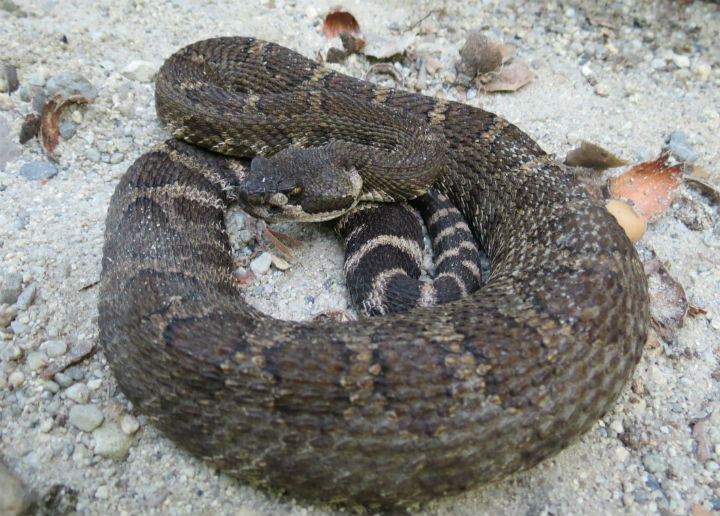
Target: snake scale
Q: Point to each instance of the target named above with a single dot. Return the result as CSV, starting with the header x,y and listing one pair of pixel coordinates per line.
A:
x,y
385,412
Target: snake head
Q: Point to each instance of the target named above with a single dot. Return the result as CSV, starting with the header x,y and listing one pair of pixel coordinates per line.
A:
x,y
299,185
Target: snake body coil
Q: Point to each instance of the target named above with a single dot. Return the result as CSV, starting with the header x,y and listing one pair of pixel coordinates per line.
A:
x,y
388,411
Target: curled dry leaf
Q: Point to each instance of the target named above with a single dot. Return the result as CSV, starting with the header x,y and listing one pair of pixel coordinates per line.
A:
x,y
479,55
511,78
49,117
337,22
649,186
705,186
668,302
340,316
593,156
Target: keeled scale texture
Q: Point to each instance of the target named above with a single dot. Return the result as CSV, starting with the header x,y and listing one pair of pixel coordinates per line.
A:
x,y
393,410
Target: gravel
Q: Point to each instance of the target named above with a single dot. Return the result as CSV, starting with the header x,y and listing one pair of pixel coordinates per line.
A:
x,y
623,74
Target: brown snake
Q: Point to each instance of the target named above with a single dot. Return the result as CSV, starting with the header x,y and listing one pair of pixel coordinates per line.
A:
x,y
388,411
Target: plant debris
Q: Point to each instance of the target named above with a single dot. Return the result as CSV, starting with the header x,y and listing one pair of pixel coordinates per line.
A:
x,y
49,117
668,301
650,186
484,63
593,156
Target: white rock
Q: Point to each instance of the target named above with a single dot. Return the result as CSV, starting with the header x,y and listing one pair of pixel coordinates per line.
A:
x,y
111,442
78,392
129,425
55,348
85,417
681,61
143,71
261,264
36,360
16,379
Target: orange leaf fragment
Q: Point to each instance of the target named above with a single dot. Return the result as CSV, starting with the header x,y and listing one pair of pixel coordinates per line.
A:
x,y
649,186
337,21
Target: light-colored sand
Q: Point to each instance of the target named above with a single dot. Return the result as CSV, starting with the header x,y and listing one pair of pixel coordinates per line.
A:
x,y
642,458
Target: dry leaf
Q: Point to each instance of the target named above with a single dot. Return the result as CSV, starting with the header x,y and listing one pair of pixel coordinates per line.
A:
x,y
668,302
337,21
649,186
49,117
593,156
479,55
705,187
511,78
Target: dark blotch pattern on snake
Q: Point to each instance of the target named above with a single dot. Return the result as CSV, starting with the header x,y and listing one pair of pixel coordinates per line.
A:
x,y
388,411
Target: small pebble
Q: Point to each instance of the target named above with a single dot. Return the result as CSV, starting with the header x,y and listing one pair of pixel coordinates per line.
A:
x,y
261,264
602,89
129,424
142,71
51,386
38,170
111,442
7,314
655,463
37,78
680,146
92,154
69,84
63,380
54,348
13,497
16,379
85,417
36,360
47,425
26,297
702,70
78,392
10,353
95,384
102,493
681,61
11,288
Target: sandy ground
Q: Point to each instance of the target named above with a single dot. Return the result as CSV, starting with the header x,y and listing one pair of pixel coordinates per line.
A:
x,y
620,74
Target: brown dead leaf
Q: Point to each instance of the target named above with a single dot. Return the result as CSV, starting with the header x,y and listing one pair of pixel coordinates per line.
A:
x,y
338,21
511,78
694,311
668,302
649,186
49,117
593,156
479,55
